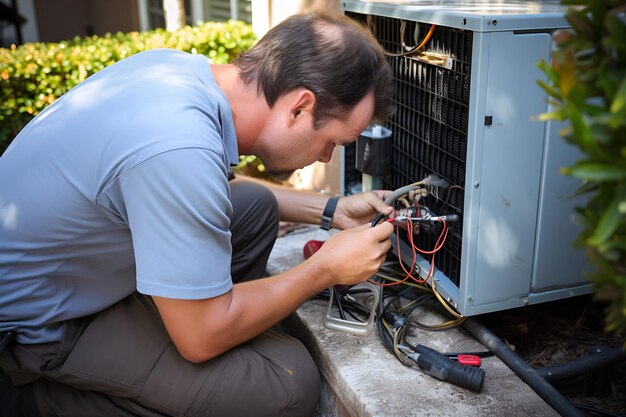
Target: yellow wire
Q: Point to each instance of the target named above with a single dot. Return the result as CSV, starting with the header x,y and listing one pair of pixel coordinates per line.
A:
x,y
410,284
399,354
443,302
441,326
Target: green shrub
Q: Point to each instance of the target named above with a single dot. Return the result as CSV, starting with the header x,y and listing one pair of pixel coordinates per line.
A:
x,y
588,90
34,75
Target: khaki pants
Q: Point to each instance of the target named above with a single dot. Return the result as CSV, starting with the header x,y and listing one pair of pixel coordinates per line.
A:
x,y
121,361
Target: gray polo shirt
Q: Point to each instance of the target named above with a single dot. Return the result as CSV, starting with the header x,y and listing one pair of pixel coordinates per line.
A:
x,y
120,185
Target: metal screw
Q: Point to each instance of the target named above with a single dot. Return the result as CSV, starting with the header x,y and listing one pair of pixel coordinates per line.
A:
x,y
476,184
470,298
571,293
526,302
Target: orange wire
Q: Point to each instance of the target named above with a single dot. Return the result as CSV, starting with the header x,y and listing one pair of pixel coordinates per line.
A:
x,y
427,37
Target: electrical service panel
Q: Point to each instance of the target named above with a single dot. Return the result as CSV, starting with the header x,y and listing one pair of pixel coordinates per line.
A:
x,y
466,107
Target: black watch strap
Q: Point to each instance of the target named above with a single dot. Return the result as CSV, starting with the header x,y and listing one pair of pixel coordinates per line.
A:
x,y
329,212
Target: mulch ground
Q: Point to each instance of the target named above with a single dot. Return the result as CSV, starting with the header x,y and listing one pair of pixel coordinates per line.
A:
x,y
557,332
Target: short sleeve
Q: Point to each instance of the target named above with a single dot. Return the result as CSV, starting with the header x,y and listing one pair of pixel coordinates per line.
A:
x,y
178,210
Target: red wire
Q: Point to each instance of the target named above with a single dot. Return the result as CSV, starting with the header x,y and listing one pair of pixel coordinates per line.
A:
x,y
438,245
408,274
413,247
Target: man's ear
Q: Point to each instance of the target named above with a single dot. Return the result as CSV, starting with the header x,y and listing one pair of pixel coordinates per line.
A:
x,y
302,105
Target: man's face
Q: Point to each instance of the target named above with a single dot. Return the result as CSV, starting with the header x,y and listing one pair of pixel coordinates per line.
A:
x,y
289,141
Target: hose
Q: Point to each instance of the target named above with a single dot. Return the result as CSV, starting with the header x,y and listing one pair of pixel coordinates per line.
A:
x,y
391,199
602,357
526,373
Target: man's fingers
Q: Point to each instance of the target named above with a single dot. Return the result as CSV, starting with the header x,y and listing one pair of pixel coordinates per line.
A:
x,y
386,245
382,260
376,200
382,194
383,230
362,227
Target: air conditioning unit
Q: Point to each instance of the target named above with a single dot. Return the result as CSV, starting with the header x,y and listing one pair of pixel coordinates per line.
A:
x,y
466,107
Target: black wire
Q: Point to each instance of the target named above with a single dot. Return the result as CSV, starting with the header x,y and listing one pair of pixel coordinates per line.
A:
x,y
483,354
377,219
354,316
352,307
394,298
342,315
382,331
384,335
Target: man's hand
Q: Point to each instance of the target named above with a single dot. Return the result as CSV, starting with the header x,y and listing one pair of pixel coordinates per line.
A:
x,y
358,209
353,255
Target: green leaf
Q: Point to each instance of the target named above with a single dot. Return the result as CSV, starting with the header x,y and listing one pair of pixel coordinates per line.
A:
x,y
554,115
619,102
581,130
610,219
553,92
596,171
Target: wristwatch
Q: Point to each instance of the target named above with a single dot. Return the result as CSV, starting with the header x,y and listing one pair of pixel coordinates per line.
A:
x,y
329,212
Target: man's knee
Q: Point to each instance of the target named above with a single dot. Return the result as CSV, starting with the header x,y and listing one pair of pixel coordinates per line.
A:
x,y
307,385
303,373
271,375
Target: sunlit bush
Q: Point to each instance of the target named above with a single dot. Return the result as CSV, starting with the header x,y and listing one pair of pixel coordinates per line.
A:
x,y
34,75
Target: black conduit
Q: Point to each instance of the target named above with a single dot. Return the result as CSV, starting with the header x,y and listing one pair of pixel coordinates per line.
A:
x,y
526,373
602,357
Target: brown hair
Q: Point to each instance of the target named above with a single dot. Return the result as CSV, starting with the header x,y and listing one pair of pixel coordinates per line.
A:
x,y
330,55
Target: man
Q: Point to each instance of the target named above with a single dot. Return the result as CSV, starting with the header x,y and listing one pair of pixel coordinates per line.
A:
x,y
121,236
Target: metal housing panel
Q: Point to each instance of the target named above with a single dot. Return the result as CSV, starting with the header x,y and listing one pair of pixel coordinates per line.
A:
x,y
476,15
512,247
511,172
557,226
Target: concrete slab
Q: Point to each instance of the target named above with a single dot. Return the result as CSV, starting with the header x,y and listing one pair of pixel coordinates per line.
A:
x,y
361,378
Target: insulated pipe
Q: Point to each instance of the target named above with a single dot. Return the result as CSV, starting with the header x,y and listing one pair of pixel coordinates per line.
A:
x,y
601,357
527,374
391,198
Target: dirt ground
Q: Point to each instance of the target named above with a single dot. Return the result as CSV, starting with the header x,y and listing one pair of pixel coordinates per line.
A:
x,y
556,332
